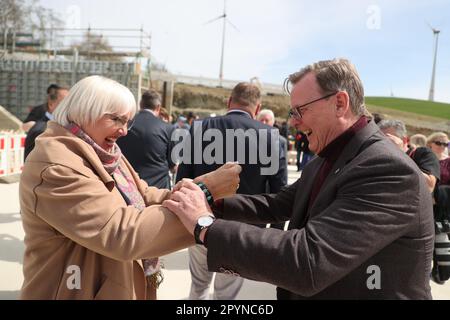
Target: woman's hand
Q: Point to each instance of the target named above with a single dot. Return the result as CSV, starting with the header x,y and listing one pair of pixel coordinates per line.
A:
x,y
222,182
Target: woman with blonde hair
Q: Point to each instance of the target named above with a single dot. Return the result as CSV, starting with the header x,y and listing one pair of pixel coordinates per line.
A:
x,y
93,229
438,142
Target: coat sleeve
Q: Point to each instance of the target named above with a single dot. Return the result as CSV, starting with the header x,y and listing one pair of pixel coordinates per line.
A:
x,y
369,212
265,208
83,209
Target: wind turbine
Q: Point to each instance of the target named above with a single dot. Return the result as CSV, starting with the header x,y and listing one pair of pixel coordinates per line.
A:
x,y
225,20
433,74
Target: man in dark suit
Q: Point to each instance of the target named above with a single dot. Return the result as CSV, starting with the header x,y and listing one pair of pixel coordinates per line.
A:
x,y
148,146
267,116
361,219
37,113
243,139
56,95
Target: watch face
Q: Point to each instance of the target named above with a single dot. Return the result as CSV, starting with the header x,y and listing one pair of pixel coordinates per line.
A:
x,y
205,221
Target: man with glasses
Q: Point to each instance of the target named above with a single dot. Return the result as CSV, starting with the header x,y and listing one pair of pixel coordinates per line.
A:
x,y
361,219
427,162
148,143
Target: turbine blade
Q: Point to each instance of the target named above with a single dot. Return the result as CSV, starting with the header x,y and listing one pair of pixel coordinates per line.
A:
x,y
432,29
228,20
215,19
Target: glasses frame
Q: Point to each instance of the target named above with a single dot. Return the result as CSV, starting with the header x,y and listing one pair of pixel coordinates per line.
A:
x,y
441,144
296,112
120,121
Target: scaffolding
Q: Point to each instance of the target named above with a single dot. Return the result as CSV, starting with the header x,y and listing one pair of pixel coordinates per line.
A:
x,y
55,41
28,65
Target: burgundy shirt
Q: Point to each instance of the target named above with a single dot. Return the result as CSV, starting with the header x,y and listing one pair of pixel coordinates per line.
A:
x,y
331,153
445,171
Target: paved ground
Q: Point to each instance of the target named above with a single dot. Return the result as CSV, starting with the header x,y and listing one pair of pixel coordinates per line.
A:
x,y
177,279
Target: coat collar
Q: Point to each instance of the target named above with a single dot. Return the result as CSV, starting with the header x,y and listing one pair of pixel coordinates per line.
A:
x,y
50,148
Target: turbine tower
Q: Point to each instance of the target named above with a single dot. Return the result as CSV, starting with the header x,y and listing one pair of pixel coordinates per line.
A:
x,y
225,21
433,74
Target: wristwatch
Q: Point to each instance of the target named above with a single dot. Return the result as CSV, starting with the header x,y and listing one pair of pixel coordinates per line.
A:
x,y
202,223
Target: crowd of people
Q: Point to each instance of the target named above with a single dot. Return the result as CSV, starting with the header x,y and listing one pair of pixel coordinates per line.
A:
x,y
368,218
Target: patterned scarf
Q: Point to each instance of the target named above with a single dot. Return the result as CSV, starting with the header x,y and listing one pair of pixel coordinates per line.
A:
x,y
127,188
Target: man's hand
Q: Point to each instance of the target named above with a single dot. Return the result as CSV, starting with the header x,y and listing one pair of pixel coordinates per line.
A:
x,y
188,203
222,182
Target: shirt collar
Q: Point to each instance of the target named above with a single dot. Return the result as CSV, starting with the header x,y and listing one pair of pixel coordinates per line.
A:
x,y
49,115
151,111
240,111
334,148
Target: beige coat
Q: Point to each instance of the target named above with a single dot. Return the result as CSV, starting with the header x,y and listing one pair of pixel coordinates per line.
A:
x,y
79,228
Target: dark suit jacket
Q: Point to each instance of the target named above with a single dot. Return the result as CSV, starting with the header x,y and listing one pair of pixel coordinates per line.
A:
x,y
148,147
374,209
38,128
37,113
251,180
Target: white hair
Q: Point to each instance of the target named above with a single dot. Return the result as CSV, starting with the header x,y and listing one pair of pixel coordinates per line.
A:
x,y
92,97
266,112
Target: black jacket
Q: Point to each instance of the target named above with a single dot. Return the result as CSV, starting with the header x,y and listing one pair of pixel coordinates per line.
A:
x,y
147,146
38,128
252,181
37,113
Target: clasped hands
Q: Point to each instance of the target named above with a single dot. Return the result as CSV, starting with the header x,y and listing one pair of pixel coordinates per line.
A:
x,y
188,201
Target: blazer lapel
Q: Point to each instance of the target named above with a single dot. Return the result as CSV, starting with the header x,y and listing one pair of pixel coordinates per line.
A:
x,y
298,218
351,150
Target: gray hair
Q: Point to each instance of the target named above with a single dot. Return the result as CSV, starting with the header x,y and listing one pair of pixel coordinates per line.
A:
x,y
335,75
266,112
92,97
397,125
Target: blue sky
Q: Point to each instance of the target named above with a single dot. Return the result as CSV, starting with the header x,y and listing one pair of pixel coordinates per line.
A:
x,y
389,41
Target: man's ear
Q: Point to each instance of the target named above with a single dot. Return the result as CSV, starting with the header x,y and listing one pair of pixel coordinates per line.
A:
x,y
342,103
157,109
405,141
229,103
258,109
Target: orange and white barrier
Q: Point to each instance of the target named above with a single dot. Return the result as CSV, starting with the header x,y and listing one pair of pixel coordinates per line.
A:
x,y
3,155
12,149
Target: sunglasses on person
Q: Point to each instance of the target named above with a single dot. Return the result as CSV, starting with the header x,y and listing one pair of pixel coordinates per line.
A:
x,y
441,144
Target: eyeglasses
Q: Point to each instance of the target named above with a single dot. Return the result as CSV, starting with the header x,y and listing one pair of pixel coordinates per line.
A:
x,y
120,121
441,144
297,111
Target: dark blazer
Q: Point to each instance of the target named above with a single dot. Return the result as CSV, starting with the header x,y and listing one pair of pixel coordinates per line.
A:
x,y
38,128
374,210
251,179
148,147
37,113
